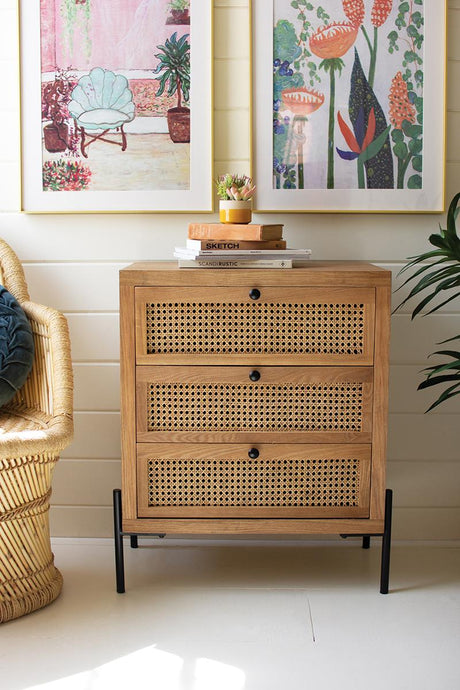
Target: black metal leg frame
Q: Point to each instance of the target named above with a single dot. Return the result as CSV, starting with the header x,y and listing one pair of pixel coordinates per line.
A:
x,y
119,534
386,542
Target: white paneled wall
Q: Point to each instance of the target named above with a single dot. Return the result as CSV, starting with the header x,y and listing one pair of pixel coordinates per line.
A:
x,y
72,263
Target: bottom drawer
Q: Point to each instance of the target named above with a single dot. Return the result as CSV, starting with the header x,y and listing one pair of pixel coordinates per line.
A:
x,y
223,480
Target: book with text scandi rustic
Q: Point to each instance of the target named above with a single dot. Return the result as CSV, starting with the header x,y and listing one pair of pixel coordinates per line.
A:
x,y
235,263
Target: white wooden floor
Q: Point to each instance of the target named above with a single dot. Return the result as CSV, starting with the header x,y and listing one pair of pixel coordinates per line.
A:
x,y
242,616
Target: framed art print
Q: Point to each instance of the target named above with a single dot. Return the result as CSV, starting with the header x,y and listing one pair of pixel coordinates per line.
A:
x,y
349,105
116,105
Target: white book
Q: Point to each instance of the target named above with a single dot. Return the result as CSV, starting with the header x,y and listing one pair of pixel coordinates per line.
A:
x,y
213,254
192,247
236,263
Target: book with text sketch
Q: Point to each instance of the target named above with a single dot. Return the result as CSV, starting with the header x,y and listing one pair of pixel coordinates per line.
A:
x,y
230,245
235,263
234,231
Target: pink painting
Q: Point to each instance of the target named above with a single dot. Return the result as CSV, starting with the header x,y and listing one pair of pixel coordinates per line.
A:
x,y
115,95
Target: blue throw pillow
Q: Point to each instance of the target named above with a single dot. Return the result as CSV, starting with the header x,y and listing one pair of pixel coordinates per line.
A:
x,y
16,346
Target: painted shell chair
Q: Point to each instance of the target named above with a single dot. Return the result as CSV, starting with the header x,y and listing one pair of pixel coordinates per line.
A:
x,y
101,101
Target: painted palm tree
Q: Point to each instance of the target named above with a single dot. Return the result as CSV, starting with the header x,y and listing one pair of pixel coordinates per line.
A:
x,y
174,71
331,42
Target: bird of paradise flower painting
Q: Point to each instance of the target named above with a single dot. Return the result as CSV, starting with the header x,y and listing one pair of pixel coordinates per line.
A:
x,y
348,94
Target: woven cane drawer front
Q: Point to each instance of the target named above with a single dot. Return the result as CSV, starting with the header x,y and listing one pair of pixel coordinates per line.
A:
x,y
328,404
179,480
304,325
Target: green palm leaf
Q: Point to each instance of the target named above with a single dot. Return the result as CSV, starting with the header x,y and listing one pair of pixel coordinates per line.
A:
x,y
437,380
448,393
438,306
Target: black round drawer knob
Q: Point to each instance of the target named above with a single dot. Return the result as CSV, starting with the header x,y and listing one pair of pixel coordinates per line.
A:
x,y
254,293
254,375
253,453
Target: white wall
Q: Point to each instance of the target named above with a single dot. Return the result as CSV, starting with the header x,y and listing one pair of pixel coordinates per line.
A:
x,y
72,263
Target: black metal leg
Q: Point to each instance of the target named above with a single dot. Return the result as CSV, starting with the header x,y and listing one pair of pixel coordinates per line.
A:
x,y
366,541
133,541
386,543
118,535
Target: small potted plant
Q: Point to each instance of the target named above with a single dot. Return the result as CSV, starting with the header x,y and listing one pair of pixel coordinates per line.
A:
x,y
174,70
180,12
55,99
235,194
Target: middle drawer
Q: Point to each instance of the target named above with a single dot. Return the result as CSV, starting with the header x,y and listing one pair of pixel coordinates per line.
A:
x,y
254,404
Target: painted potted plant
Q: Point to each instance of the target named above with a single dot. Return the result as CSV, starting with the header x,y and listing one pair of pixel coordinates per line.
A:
x,y
438,274
55,98
235,194
174,71
180,12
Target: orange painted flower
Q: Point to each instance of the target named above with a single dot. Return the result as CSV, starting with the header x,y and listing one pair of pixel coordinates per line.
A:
x,y
354,9
400,106
380,11
302,101
333,40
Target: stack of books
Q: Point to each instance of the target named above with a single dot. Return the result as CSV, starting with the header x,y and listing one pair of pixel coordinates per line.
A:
x,y
226,245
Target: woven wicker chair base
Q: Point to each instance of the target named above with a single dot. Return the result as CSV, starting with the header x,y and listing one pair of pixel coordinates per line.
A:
x,y
32,601
28,578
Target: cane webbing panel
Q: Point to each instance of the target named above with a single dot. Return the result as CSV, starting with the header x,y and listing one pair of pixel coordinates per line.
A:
x,y
245,407
298,482
240,327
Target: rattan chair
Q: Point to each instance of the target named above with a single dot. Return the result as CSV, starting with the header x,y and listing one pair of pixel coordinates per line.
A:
x,y
35,426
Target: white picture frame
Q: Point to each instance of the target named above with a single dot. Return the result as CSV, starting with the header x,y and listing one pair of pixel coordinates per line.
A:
x,y
345,195
118,182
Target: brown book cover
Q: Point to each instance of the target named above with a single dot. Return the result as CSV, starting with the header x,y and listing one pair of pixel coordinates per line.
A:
x,y
232,245
234,231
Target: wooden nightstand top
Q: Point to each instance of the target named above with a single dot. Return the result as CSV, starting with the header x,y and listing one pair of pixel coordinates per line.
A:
x,y
343,273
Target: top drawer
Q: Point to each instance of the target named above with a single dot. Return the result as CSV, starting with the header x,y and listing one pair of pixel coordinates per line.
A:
x,y
255,325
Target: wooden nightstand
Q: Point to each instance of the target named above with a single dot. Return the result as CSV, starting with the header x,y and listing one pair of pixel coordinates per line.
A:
x,y
254,402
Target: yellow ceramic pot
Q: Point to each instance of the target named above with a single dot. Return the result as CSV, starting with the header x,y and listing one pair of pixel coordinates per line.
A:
x,y
235,211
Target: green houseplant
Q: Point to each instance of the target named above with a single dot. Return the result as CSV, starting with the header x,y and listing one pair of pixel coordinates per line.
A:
x,y
174,71
438,276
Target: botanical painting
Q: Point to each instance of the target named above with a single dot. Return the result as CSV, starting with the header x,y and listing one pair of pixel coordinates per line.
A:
x,y
349,82
116,84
